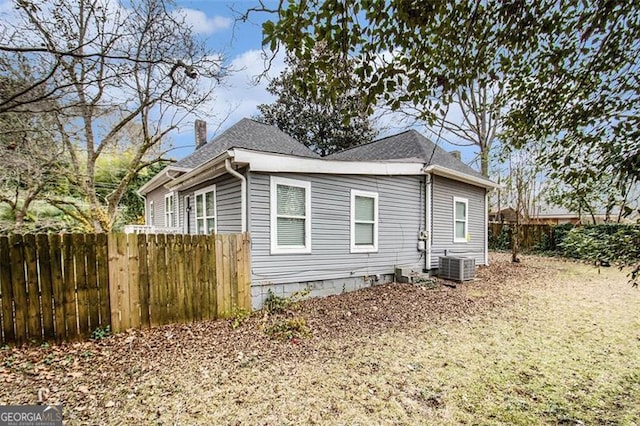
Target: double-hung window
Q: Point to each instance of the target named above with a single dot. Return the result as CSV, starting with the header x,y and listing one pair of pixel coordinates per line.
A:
x,y
290,216
152,213
364,221
169,210
460,220
205,200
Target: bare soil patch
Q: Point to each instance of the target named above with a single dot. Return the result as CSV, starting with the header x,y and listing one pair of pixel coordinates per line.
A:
x,y
537,342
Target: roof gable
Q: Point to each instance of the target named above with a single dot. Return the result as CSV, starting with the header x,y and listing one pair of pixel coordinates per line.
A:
x,y
408,146
248,134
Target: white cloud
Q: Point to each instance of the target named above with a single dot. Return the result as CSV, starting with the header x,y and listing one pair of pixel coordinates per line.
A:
x,y
201,23
237,98
240,92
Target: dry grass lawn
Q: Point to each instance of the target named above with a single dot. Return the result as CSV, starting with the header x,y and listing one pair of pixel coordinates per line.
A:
x,y
543,342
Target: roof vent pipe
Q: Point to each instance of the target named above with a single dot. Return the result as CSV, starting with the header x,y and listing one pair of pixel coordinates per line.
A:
x,y
200,128
456,154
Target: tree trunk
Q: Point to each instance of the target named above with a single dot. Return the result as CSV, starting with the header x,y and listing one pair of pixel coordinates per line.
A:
x,y
19,216
515,241
484,161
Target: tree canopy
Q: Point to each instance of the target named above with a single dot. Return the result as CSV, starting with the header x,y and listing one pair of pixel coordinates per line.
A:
x,y
325,122
112,73
570,69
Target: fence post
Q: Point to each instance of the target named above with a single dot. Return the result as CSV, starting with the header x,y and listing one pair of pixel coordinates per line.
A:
x,y
57,283
46,288
102,264
19,287
143,277
7,291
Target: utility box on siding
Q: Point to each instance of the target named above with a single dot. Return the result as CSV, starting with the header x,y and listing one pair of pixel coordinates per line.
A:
x,y
456,268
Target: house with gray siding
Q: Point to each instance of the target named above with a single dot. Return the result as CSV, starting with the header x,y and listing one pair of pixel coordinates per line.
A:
x,y
329,224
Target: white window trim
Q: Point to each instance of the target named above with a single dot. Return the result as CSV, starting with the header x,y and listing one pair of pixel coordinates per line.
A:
x,y
275,248
203,191
370,248
167,223
466,219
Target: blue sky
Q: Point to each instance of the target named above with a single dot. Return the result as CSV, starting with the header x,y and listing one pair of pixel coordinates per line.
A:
x,y
241,43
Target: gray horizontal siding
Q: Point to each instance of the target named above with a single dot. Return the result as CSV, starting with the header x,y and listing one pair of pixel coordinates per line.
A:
x,y
227,205
401,214
157,196
443,192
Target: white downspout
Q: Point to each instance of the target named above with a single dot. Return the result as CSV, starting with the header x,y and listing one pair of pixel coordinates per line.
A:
x,y
243,193
427,220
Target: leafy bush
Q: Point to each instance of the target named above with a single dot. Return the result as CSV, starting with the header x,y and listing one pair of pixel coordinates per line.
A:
x,y
274,304
603,244
558,235
101,333
612,243
280,322
501,241
288,328
239,316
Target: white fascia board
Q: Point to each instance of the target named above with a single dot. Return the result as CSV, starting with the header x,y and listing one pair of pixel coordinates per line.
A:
x,y
160,179
461,177
277,163
194,175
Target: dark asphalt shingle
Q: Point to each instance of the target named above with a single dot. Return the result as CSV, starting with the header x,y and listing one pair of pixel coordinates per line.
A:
x,y
409,146
248,134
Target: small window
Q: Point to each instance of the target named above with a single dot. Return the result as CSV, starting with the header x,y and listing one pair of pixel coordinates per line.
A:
x,y
290,216
460,220
169,211
364,222
206,210
152,213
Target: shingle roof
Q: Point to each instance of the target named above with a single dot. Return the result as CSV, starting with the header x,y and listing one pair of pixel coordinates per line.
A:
x,y
409,146
248,134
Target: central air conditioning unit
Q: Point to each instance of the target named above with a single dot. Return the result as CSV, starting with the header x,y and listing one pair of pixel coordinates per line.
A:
x,y
456,268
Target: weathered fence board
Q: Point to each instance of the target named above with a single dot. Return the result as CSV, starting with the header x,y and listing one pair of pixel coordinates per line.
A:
x,y
6,290
62,287
69,287
46,289
34,324
93,299
19,287
50,286
57,288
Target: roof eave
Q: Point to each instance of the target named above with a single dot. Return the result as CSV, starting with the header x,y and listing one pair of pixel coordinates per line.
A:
x,y
282,163
160,179
199,173
461,177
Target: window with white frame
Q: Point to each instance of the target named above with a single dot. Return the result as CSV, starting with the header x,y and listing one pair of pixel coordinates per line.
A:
x,y
169,210
205,200
290,216
364,221
152,213
460,219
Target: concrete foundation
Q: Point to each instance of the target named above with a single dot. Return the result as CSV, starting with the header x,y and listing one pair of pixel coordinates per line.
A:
x,y
323,288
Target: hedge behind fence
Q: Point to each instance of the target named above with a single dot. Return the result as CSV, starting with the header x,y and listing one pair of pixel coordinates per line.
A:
x,y
605,242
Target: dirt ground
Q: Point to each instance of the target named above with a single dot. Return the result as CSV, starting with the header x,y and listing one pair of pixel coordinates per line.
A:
x,y
543,341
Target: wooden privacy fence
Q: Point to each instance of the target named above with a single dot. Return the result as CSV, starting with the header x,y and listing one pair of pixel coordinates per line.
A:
x,y
63,287
532,236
